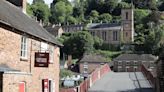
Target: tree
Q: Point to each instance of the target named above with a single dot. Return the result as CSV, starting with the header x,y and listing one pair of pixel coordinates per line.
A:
x,y
55,1
97,42
121,5
60,12
78,43
29,9
154,17
41,11
94,16
65,73
38,1
152,40
97,5
139,15
110,5
79,9
127,1
71,20
105,18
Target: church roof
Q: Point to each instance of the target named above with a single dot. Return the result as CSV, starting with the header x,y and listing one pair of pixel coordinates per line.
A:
x,y
104,26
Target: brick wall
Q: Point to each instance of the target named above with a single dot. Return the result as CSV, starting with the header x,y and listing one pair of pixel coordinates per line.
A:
x,y
10,46
91,67
149,75
87,83
68,90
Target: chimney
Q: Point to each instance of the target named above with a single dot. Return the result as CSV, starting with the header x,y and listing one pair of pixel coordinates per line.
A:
x,y
24,3
19,3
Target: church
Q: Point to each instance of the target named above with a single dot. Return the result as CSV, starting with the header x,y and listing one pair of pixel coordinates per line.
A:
x,y
115,33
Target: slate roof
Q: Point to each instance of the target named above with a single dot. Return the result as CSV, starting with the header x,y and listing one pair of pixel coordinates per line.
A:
x,y
13,16
105,26
76,25
52,30
93,58
139,57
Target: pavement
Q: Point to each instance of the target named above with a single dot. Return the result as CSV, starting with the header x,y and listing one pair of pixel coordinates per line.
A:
x,y
122,82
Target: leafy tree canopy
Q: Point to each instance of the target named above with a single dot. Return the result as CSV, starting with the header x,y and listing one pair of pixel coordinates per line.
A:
x,y
36,1
105,18
78,43
60,12
41,11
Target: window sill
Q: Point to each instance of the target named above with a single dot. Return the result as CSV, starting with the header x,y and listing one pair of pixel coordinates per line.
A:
x,y
23,59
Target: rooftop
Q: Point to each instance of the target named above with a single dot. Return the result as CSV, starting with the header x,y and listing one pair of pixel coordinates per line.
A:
x,y
140,57
93,58
14,17
104,26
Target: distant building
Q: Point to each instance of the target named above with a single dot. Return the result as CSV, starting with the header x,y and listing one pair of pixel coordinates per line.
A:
x,y
56,31
109,33
115,33
133,62
90,62
73,28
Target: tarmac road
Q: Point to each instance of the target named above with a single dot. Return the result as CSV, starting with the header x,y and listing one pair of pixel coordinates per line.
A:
x,y
122,82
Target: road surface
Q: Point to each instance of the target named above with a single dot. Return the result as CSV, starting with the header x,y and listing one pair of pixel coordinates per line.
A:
x,y
122,82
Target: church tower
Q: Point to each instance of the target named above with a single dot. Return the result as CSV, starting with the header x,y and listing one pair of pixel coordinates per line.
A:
x,y
127,16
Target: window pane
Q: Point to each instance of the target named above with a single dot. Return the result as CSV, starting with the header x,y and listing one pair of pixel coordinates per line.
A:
x,y
24,42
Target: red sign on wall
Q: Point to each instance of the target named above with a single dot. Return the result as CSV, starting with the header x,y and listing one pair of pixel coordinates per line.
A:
x,y
45,85
41,59
21,87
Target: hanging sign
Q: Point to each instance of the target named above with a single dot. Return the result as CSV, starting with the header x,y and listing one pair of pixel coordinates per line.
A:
x,y
41,59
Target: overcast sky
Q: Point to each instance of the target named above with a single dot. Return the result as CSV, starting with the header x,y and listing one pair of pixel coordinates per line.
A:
x,y
46,1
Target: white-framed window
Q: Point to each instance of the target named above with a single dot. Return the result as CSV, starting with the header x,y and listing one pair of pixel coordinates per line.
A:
x,y
51,85
44,47
51,53
24,47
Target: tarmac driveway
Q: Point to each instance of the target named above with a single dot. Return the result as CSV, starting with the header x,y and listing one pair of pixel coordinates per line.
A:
x,y
122,82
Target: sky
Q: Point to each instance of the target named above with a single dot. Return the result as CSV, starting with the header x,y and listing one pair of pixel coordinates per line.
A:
x,y
46,1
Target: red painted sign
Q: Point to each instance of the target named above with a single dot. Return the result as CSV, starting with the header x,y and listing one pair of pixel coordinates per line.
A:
x,y
41,59
21,87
